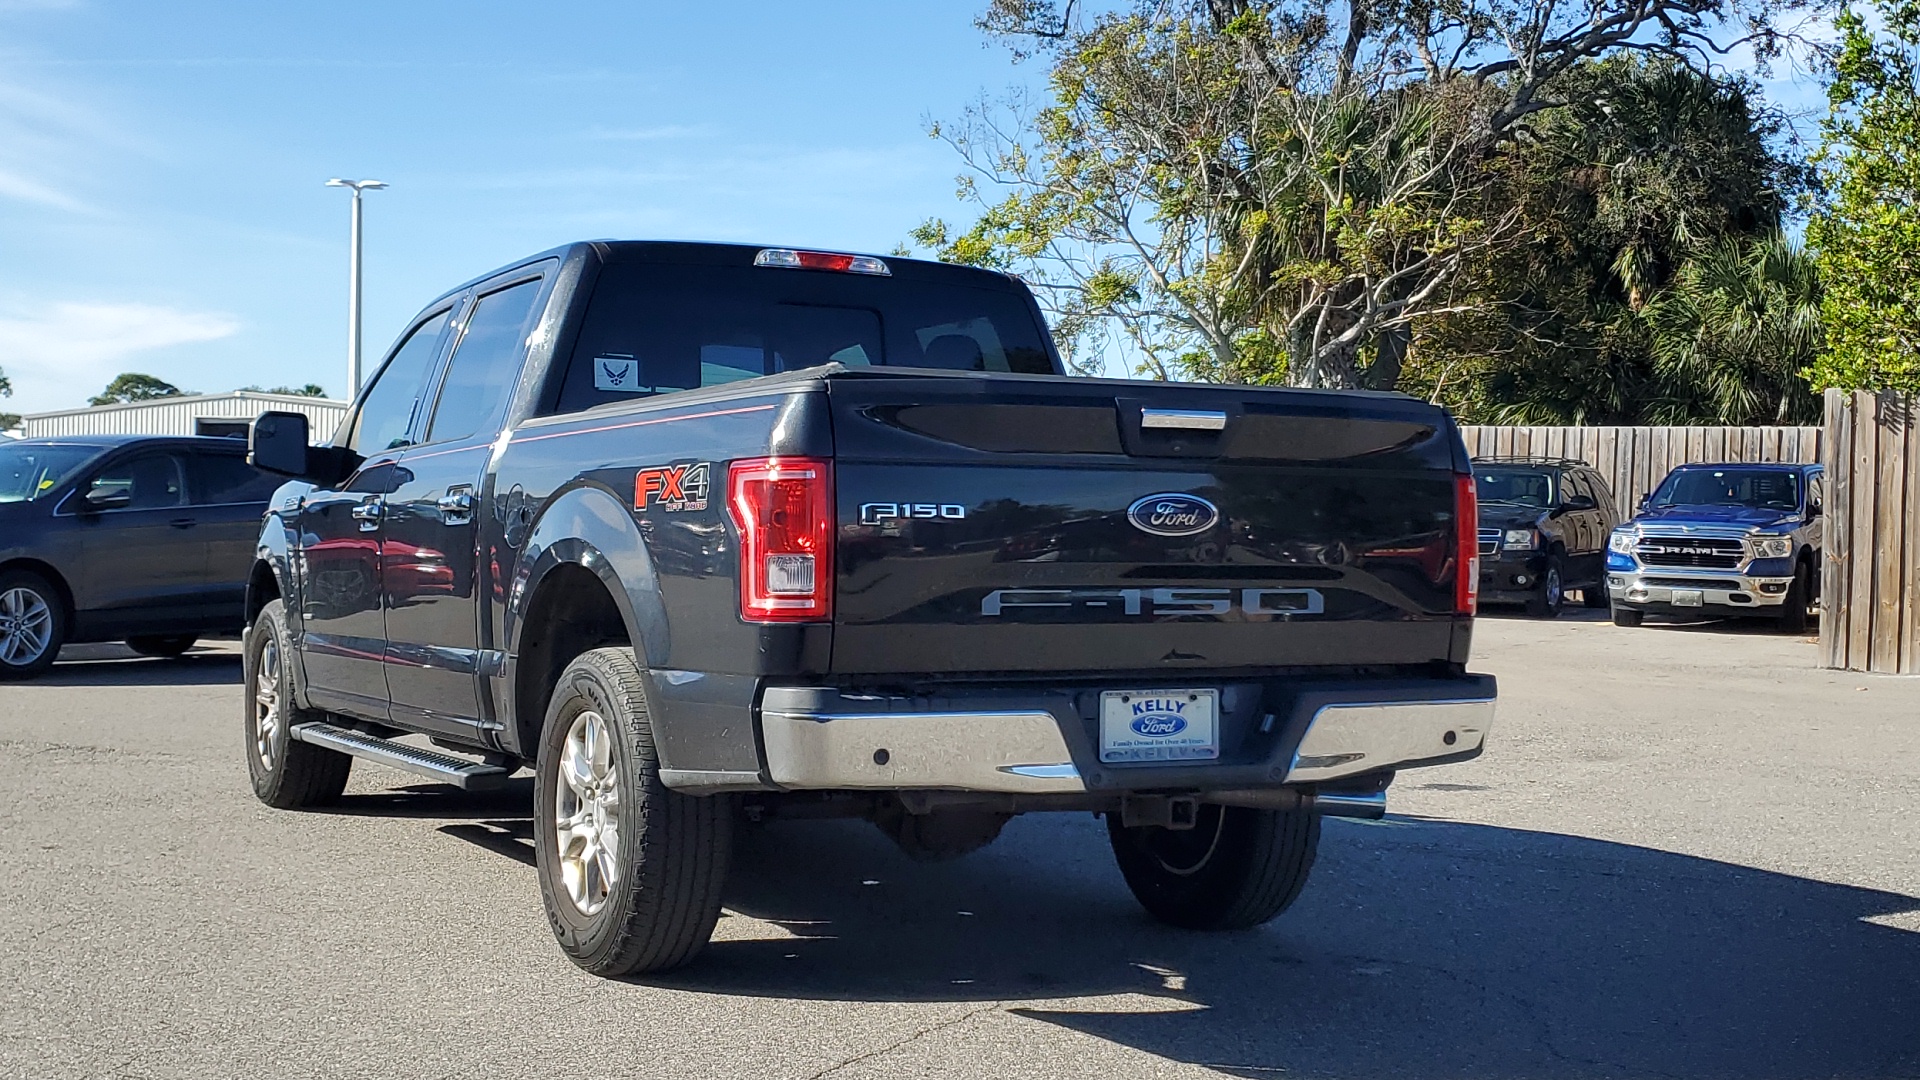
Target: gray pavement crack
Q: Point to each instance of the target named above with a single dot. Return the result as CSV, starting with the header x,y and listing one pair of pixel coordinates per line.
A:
x,y
908,1040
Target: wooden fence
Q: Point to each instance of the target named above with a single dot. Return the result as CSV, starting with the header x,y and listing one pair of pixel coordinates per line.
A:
x,y
1635,459
1870,584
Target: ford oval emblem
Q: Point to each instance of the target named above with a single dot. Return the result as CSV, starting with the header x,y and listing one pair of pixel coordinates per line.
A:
x,y
1173,513
1158,725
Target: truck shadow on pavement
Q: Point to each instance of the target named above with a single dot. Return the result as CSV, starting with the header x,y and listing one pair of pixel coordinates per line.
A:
x,y
1421,948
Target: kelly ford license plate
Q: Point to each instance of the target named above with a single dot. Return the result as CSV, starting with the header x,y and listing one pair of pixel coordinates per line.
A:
x,y
1159,725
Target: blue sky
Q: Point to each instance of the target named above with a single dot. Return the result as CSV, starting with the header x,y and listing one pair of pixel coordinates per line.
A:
x,y
161,165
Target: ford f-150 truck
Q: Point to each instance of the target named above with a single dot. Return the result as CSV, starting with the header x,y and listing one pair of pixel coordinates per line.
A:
x,y
1730,539
708,533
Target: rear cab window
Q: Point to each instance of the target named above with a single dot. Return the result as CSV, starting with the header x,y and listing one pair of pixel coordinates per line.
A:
x,y
653,328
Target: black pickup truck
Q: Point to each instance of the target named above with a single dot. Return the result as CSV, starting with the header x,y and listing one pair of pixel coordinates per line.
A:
x,y
709,533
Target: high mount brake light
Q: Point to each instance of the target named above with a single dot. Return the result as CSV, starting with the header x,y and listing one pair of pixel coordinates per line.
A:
x,y
1466,541
783,509
821,260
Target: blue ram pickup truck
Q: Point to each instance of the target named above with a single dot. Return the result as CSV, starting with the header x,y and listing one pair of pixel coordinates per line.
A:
x,y
710,532
1722,540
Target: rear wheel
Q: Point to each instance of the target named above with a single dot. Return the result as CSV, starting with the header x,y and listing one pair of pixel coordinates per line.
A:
x,y
286,774
1552,594
630,871
1793,610
161,644
1237,867
1628,617
33,624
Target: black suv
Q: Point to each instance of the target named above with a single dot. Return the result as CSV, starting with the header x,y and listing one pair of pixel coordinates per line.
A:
x,y
141,538
1544,524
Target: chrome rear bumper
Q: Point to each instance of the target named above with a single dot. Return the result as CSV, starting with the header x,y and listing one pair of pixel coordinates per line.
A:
x,y
819,739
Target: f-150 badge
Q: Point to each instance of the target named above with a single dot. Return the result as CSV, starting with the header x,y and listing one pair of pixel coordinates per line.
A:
x,y
672,487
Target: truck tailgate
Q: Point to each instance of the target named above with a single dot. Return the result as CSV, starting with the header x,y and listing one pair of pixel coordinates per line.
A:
x,y
1007,524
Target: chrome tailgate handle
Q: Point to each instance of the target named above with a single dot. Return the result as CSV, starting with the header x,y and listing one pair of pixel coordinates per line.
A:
x,y
1183,419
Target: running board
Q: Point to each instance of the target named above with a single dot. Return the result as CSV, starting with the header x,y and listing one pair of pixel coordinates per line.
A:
x,y
460,772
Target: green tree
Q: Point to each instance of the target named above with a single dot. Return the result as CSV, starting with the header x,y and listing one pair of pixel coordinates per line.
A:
x,y
1866,235
1648,166
1732,335
133,386
303,390
6,385
1284,190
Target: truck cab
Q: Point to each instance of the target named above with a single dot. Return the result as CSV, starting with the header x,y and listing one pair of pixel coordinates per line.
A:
x,y
1726,540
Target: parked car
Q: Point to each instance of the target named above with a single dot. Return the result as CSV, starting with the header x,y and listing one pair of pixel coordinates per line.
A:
x,y
134,538
705,531
1728,540
1544,524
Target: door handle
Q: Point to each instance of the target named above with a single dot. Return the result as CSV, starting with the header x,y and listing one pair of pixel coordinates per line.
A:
x,y
369,513
184,523
456,506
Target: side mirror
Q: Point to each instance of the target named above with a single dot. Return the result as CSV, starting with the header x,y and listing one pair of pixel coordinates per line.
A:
x,y
1575,503
279,445
1813,509
107,499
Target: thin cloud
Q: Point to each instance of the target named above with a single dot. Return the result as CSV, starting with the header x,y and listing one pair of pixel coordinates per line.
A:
x,y
62,354
650,134
14,186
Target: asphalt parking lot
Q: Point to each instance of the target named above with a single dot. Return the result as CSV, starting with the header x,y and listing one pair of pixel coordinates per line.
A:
x,y
1686,853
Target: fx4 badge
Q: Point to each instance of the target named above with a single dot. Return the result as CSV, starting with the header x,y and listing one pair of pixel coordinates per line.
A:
x,y
672,487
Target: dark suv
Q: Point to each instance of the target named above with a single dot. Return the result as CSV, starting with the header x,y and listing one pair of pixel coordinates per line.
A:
x,y
1544,524
141,538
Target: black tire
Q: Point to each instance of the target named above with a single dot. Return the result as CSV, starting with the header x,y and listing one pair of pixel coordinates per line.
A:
x,y
1594,597
1547,601
671,851
287,775
165,645
1236,868
1628,617
1793,610
33,624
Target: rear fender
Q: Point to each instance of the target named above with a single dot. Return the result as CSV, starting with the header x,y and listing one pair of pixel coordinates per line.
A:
x,y
589,527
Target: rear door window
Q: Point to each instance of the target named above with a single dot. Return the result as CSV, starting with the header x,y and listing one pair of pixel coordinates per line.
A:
x,y
656,328
486,364
220,479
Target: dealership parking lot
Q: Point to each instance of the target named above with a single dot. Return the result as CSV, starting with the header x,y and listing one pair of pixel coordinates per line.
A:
x,y
1687,852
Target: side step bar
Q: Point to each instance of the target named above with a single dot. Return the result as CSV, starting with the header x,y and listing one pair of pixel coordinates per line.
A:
x,y
446,768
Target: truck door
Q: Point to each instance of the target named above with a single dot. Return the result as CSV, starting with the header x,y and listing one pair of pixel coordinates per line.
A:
x,y
430,560
343,619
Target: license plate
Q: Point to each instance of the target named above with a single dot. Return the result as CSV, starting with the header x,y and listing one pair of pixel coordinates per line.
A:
x,y
1688,598
1159,725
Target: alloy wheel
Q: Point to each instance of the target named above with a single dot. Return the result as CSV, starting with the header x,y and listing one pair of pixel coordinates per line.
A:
x,y
587,814
269,720
26,626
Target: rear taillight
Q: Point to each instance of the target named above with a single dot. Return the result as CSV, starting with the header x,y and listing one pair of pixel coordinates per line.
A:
x,y
1466,541
821,260
783,509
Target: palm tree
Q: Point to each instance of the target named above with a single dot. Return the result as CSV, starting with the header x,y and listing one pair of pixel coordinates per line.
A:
x,y
1735,330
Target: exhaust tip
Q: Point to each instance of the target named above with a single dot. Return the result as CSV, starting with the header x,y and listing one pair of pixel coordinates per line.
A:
x,y
1371,806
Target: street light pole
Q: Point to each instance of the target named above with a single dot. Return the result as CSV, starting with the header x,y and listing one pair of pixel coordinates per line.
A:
x,y
353,280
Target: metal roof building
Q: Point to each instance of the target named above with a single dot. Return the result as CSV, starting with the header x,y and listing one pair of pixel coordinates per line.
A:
x,y
190,414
